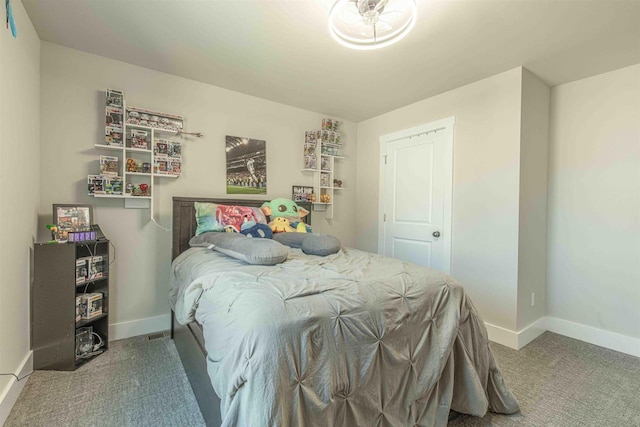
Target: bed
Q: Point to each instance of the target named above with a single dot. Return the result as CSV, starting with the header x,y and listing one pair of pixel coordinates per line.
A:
x,y
347,339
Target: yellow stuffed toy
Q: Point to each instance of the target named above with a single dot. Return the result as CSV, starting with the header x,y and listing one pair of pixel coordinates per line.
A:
x,y
280,225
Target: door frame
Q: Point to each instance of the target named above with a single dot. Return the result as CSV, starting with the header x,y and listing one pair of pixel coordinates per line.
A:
x,y
444,125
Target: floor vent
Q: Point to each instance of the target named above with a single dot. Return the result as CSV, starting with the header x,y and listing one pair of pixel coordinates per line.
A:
x,y
155,336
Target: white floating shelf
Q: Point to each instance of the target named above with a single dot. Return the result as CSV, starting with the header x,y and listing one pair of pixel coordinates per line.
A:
x,y
139,173
173,132
120,196
108,147
109,196
139,150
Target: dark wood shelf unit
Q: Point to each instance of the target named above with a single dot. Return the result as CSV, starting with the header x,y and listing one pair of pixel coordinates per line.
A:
x,y
53,303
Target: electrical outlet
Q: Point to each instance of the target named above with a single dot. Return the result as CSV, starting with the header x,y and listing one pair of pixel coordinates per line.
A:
x,y
533,299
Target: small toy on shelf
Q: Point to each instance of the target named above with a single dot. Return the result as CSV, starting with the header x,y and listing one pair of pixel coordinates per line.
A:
x,y
131,165
325,198
54,232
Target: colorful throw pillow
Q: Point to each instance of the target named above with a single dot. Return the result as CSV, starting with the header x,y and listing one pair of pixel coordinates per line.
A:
x,y
215,217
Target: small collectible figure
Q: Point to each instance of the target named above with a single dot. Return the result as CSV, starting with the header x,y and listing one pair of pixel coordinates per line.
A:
x,y
131,165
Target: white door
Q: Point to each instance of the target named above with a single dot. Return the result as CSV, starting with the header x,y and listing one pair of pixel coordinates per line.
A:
x,y
416,202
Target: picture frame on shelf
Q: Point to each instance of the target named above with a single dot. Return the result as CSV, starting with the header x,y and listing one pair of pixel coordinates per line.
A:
x,y
301,193
72,217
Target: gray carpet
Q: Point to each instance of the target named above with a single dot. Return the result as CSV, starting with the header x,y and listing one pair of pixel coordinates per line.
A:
x,y
559,382
137,382
562,382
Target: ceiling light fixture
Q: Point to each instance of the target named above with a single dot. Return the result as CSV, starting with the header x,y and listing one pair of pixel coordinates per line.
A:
x,y
371,24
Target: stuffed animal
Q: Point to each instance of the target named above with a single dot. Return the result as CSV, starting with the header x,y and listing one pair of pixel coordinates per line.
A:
x,y
253,229
287,208
280,225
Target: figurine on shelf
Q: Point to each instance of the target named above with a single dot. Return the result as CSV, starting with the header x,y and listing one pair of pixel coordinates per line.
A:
x,y
131,165
129,188
144,190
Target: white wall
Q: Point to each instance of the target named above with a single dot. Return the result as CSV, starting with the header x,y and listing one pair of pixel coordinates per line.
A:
x,y
594,202
486,156
532,241
19,195
72,111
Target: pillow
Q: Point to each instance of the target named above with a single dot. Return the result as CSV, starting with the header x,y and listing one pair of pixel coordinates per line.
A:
x,y
293,240
215,217
239,246
311,244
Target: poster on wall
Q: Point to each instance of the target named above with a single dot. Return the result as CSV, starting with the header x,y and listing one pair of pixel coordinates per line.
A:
x,y
246,165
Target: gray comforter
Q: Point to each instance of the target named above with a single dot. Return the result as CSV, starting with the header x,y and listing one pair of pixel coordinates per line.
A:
x,y
351,339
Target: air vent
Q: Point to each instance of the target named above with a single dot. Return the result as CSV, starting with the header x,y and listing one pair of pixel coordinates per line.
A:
x,y
155,336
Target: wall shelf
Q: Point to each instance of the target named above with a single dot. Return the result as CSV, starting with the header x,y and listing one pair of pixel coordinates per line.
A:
x,y
135,145
321,150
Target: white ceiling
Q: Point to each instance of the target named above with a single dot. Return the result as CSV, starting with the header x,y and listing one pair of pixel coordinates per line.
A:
x,y
282,51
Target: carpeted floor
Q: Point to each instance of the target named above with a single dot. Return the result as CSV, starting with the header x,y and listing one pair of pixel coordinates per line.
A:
x,y
562,382
137,382
559,382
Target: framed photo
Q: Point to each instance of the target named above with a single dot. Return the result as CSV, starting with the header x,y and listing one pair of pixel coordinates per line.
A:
x,y
246,165
301,193
72,217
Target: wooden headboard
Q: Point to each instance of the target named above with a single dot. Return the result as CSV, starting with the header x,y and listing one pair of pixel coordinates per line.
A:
x,y
184,218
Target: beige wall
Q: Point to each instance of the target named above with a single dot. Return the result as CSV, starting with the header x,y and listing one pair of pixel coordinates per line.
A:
x,y
594,202
19,192
532,242
486,156
72,110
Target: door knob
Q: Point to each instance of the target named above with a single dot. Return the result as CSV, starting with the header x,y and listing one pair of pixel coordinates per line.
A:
x,y
436,234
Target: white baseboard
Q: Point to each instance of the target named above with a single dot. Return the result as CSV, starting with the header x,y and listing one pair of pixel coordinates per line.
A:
x,y
133,328
503,336
600,337
607,339
531,332
10,394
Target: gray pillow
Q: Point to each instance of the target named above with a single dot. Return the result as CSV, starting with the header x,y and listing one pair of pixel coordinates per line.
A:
x,y
293,240
239,246
311,244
